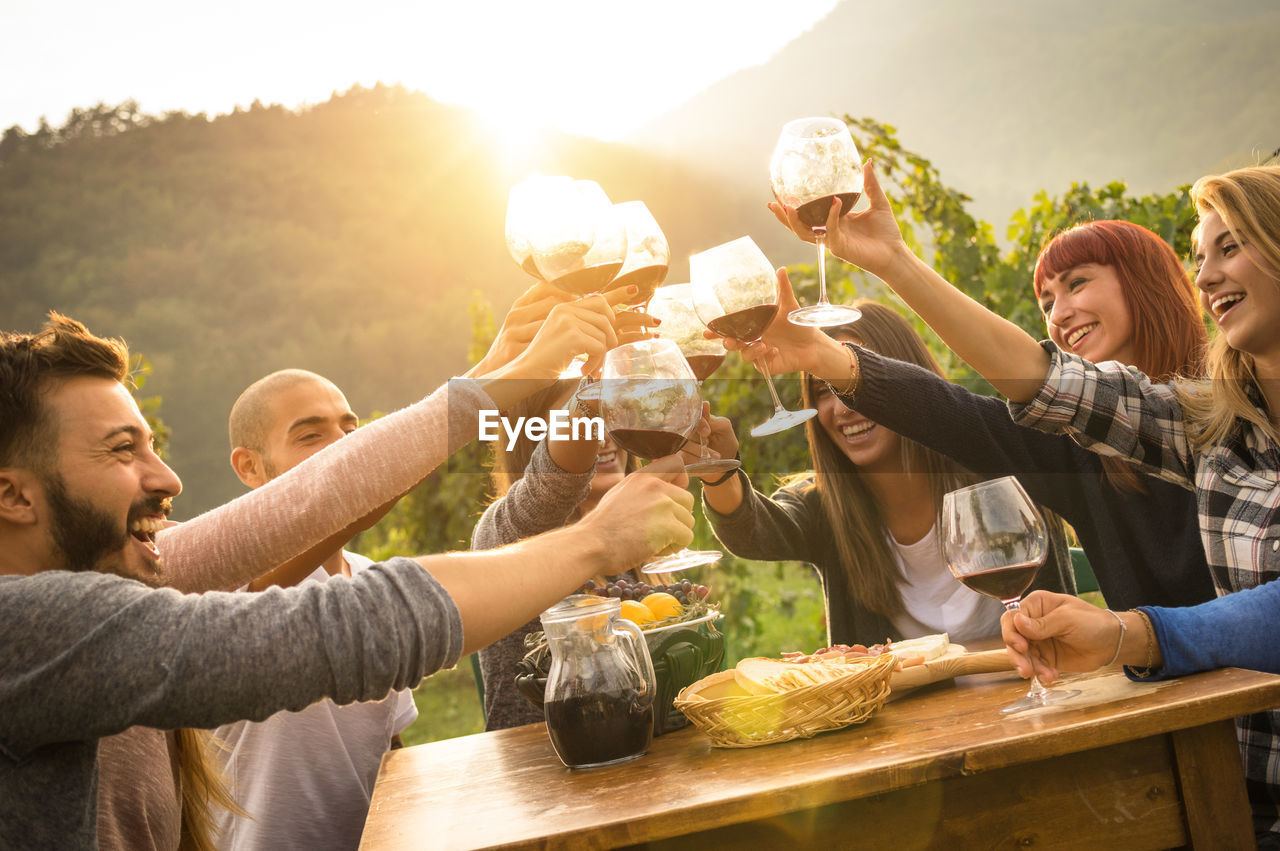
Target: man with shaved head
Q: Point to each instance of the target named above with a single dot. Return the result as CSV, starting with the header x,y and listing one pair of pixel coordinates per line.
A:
x,y
304,778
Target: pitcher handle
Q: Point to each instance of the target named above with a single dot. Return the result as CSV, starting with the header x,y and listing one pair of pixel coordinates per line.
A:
x,y
639,651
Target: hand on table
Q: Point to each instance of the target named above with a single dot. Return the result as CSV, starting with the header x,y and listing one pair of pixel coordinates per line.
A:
x,y
1052,633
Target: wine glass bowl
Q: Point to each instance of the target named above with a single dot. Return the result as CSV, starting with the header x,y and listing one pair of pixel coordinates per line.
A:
x,y
527,204
814,162
995,542
648,254
735,295
651,406
673,305
579,243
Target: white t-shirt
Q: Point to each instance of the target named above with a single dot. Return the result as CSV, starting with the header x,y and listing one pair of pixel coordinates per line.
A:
x,y
307,777
934,599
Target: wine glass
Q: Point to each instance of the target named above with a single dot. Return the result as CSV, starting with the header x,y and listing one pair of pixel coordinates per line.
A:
x,y
579,243
673,304
815,161
995,542
650,405
527,202
648,254
735,294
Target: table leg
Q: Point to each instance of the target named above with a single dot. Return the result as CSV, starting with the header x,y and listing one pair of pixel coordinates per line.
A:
x,y
1212,780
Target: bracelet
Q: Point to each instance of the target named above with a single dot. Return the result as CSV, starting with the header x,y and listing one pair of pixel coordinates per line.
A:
x,y
1119,641
711,484
855,374
1145,671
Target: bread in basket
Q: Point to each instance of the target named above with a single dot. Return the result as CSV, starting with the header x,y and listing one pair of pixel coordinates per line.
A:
x,y
763,701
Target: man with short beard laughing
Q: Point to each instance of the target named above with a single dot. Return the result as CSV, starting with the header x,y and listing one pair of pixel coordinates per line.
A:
x,y
88,653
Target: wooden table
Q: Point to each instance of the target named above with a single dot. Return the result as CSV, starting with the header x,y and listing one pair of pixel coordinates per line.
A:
x,y
1125,765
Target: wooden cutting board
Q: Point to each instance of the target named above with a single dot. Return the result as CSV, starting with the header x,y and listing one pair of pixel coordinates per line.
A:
x,y
956,663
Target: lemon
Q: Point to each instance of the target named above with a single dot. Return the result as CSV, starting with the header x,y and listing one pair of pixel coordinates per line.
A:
x,y
662,605
637,613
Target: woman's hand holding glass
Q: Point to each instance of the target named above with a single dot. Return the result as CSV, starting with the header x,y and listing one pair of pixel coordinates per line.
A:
x,y
717,438
1054,633
788,347
870,239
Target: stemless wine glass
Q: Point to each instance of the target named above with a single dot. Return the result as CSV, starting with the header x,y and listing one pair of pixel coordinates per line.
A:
x,y
815,161
673,304
995,542
527,203
735,294
650,405
648,254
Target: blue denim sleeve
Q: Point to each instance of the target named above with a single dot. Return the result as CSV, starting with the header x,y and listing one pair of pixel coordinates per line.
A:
x,y
1236,631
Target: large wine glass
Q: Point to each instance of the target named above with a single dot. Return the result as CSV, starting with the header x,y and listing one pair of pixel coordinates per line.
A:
x,y
735,294
995,543
673,304
527,203
579,243
648,254
815,161
651,405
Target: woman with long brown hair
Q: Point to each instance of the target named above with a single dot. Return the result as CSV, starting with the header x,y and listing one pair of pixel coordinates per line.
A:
x,y
866,518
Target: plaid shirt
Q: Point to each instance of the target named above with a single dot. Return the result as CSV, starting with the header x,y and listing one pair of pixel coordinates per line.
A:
x,y
1116,410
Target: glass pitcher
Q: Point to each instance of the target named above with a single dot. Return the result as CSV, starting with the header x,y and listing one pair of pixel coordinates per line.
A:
x,y
601,686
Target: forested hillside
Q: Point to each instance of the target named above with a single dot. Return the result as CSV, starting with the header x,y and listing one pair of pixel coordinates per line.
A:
x,y
1011,96
348,238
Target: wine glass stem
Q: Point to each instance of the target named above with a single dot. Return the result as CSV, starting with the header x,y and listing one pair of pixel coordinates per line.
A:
x,y
1035,691
764,370
820,236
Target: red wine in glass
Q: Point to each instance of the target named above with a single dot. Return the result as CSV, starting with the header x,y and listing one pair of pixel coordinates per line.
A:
x,y
704,366
814,213
995,541
648,443
1006,584
745,326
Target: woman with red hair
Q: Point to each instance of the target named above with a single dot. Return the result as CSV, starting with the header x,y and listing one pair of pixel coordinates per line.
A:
x,y
1108,290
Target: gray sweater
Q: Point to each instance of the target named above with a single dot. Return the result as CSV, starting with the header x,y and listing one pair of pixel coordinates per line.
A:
x,y
87,655
541,500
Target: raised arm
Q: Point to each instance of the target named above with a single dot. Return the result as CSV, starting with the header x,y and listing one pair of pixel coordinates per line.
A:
x,y
1002,352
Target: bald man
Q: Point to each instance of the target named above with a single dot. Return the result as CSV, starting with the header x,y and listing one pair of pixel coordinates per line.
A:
x,y
305,778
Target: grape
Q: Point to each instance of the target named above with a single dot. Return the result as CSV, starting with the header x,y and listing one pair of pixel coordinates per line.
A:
x,y
613,591
685,585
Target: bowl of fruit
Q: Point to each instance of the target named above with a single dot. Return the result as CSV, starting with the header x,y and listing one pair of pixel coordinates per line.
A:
x,y
678,622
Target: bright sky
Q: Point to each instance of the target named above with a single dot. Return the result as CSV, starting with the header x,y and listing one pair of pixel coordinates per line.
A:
x,y
594,67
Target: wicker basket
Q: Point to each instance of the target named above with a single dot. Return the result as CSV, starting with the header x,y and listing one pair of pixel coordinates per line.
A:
x,y
734,720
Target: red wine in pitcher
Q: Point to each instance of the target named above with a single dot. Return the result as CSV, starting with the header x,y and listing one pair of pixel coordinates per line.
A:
x,y
1003,583
814,213
744,325
602,728
648,443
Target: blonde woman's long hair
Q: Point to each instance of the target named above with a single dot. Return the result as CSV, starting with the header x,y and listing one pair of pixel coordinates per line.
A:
x,y
1248,202
853,515
204,787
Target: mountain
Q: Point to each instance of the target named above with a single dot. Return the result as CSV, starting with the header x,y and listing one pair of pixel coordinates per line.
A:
x,y
349,238
1010,96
